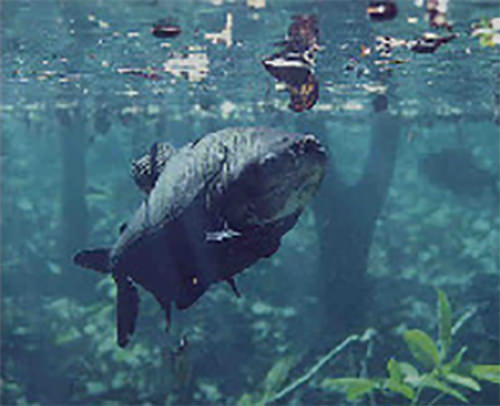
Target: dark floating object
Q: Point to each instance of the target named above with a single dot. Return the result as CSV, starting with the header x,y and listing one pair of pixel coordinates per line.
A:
x,y
428,43
456,169
218,206
165,29
294,65
290,68
305,96
302,33
436,14
146,73
382,10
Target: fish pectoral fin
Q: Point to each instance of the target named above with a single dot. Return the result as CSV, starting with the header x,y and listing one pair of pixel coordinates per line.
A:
x,y
126,310
234,288
96,259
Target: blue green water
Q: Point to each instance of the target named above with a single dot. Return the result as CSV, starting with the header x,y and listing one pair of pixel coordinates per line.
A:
x,y
86,88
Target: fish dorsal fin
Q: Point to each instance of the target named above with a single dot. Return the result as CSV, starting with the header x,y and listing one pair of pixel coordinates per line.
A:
x,y
147,168
127,309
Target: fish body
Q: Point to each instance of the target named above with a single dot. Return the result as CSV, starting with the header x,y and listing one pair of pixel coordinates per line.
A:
x,y
218,205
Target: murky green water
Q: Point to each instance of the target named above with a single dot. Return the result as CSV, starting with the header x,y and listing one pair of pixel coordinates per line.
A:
x,y
409,202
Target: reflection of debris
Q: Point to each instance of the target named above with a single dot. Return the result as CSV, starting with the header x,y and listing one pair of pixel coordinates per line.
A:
x,y
353,65
256,3
100,23
294,65
165,29
225,36
385,45
147,73
429,42
304,96
192,66
382,10
290,68
436,13
488,32
303,36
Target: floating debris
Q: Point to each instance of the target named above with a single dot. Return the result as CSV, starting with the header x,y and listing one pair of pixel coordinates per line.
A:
x,y
225,36
191,66
147,73
256,3
294,65
165,29
436,14
488,32
429,42
426,44
305,96
382,10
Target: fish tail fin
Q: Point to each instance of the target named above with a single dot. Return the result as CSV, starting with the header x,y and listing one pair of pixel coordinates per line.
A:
x,y
127,309
96,259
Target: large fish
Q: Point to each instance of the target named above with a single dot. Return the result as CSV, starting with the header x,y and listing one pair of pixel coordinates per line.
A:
x,y
213,208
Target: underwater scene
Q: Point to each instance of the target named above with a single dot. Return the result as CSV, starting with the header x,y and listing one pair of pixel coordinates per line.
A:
x,y
250,202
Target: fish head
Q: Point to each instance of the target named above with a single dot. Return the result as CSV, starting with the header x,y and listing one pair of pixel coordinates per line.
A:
x,y
280,180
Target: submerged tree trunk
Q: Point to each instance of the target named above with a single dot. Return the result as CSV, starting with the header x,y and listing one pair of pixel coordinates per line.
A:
x,y
346,218
74,213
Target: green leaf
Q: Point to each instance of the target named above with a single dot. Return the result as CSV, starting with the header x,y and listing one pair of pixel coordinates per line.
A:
x,y
278,374
464,381
489,373
401,388
456,361
394,370
95,388
422,347
353,387
431,382
410,373
444,319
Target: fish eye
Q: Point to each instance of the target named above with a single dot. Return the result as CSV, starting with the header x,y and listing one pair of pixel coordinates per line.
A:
x,y
194,280
284,139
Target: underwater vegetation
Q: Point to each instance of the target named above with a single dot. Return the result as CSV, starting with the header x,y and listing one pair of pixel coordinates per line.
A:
x,y
97,98
446,373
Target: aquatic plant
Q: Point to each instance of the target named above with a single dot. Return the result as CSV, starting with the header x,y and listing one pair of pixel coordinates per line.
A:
x,y
446,374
